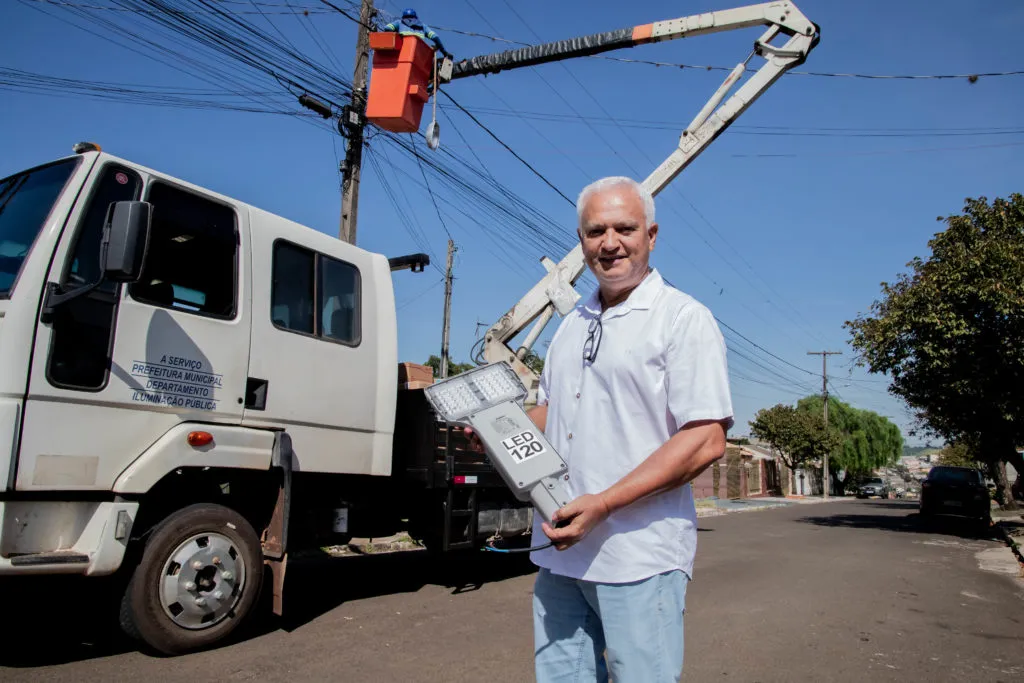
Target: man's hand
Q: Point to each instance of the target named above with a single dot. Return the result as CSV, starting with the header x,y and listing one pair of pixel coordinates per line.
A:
x,y
583,514
473,441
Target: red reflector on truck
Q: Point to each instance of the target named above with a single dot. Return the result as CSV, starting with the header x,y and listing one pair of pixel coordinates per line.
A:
x,y
196,439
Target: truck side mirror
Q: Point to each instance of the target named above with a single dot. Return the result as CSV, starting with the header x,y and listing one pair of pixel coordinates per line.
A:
x,y
125,240
122,253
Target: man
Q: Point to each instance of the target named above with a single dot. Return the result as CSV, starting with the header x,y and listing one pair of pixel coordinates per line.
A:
x,y
635,397
410,25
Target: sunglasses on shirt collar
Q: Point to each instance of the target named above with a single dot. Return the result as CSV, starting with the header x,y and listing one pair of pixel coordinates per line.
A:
x,y
593,343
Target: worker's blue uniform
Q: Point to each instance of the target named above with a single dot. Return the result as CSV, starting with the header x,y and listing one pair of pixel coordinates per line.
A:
x,y
414,27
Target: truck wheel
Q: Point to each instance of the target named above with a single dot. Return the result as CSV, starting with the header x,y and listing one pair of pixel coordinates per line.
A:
x,y
198,579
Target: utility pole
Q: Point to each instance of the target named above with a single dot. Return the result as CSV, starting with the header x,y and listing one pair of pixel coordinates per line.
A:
x,y
447,310
824,397
351,125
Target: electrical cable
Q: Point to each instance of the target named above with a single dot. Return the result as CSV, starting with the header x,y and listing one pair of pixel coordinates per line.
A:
x,y
432,199
301,71
488,547
511,151
758,346
740,129
305,9
643,153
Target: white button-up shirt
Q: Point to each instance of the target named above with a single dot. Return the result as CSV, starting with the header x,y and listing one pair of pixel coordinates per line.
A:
x,y
660,364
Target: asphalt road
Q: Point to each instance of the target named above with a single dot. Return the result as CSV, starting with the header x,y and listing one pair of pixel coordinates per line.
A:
x,y
847,591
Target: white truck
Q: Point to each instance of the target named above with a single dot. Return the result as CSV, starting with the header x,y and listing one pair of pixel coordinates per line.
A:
x,y
191,386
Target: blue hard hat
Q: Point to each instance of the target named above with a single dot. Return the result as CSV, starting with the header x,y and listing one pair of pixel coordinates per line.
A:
x,y
409,13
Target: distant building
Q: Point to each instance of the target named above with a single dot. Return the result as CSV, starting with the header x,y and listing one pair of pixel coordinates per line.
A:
x,y
746,471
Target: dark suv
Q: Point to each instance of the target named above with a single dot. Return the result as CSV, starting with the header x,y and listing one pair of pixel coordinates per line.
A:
x,y
955,491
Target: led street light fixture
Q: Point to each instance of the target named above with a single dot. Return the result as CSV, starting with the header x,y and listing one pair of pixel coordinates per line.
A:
x,y
489,399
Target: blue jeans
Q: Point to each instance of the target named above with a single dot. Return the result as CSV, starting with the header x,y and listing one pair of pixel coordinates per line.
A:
x,y
584,631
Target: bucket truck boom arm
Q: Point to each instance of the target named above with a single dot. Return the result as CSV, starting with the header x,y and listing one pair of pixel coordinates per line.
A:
x,y
555,291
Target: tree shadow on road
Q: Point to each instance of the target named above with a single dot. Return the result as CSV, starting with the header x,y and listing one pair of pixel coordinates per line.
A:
x,y
912,522
58,620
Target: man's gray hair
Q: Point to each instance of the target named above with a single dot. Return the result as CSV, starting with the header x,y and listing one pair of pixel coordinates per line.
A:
x,y
613,181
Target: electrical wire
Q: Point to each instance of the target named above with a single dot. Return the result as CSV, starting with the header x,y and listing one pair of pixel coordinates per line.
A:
x,y
700,67
282,61
488,547
675,188
419,295
306,10
740,129
758,346
433,201
510,150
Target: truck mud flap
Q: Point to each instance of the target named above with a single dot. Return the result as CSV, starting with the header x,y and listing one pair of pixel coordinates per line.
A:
x,y
275,536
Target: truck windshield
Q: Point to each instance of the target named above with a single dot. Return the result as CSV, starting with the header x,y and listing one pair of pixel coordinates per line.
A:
x,y
25,202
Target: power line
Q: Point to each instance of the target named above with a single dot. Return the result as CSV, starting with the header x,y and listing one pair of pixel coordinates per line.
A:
x,y
257,10
793,155
271,57
306,9
757,130
755,344
418,295
511,151
432,200
675,188
597,134
701,67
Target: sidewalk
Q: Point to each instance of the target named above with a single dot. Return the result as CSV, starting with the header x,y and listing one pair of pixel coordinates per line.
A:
x,y
713,507
1010,525
706,507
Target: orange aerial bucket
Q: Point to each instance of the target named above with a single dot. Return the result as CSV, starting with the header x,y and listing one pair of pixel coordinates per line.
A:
x,y
402,68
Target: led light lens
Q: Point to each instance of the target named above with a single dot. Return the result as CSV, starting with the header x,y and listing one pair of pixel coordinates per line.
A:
x,y
473,391
455,397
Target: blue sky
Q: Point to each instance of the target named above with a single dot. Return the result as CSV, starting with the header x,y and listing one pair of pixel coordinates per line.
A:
x,y
783,236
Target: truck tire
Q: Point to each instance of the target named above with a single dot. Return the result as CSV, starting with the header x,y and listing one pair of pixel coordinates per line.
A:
x,y
197,581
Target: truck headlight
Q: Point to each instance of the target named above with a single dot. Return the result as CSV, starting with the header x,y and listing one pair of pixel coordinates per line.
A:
x,y
489,400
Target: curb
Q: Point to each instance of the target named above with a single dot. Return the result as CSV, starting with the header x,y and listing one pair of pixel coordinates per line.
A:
x,y
717,512
1013,545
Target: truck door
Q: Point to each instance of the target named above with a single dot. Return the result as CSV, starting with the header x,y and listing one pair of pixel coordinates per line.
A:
x,y
323,360
116,368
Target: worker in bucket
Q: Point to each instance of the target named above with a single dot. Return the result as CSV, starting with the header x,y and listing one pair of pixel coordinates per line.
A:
x,y
410,25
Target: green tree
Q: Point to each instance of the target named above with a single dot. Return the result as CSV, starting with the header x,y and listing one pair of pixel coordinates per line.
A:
x,y
453,367
799,437
869,441
950,333
959,455
534,362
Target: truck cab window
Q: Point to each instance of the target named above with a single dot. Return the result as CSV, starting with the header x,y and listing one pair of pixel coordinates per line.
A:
x,y
192,260
339,294
83,328
314,294
25,202
292,288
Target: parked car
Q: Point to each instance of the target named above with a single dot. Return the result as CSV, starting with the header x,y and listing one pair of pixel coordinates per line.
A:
x,y
957,491
875,486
